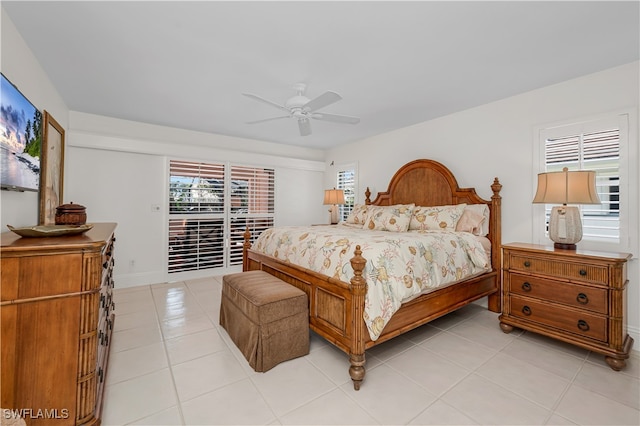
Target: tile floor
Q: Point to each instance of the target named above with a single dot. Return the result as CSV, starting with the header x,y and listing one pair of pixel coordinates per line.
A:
x,y
172,364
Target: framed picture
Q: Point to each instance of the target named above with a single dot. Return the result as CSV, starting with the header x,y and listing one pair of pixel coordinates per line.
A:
x,y
52,167
20,140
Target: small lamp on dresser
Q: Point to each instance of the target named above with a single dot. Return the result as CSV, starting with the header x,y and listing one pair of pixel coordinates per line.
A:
x,y
333,197
566,187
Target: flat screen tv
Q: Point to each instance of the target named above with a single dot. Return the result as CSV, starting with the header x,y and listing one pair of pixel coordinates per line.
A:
x,y
20,140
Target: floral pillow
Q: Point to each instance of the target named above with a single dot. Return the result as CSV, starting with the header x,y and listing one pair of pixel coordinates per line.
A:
x,y
358,215
389,218
436,218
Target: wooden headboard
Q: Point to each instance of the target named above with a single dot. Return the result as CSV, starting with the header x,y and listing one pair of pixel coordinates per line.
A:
x,y
429,183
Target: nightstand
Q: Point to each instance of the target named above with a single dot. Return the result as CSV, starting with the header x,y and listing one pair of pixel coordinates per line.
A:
x,y
576,296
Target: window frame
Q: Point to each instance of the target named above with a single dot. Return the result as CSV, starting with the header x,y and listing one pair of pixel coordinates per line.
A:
x,y
228,215
627,122
345,209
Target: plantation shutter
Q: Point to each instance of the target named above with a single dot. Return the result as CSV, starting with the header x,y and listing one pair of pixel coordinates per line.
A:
x,y
196,216
599,151
210,207
252,206
346,182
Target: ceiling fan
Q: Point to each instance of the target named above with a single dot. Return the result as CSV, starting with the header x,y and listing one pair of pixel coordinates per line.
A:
x,y
303,109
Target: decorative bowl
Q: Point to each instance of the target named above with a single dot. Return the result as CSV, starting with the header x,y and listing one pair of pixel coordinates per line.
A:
x,y
50,230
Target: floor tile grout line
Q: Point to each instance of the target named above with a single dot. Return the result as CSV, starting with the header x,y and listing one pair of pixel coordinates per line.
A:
x,y
585,359
563,394
173,380
246,377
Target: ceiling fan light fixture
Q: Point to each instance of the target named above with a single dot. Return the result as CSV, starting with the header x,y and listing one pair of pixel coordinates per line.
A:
x,y
303,108
297,101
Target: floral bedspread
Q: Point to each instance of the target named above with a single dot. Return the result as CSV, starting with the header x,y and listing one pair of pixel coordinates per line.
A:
x,y
400,265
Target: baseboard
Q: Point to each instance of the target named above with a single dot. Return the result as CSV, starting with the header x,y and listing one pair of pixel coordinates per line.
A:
x,y
634,333
138,279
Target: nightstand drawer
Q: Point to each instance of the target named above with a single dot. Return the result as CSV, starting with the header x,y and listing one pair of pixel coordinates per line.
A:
x,y
561,269
583,297
576,322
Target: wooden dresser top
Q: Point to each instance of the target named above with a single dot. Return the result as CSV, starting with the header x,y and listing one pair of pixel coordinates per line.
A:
x,y
94,238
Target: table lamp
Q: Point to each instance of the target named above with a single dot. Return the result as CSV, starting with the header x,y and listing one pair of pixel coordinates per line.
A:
x,y
566,187
333,197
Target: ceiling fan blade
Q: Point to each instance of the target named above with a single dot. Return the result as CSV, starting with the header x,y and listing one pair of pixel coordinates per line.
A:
x,y
335,118
267,119
327,98
305,126
266,101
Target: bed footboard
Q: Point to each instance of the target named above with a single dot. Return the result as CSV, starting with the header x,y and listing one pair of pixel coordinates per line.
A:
x,y
336,308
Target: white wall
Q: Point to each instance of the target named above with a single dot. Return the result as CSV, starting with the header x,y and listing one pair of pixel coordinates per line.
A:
x,y
117,169
23,70
496,139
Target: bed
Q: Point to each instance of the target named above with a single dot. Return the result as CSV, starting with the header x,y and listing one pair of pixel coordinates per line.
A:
x,y
338,305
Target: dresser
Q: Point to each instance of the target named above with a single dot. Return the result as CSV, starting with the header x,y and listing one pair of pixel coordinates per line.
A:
x,y
575,296
57,315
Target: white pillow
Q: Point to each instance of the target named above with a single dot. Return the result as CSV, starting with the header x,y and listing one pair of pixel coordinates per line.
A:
x,y
482,210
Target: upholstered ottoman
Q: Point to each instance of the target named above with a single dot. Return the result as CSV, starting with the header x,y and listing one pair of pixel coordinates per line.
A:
x,y
266,318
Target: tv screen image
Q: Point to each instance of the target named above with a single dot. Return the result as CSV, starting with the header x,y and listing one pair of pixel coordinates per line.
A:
x,y
20,140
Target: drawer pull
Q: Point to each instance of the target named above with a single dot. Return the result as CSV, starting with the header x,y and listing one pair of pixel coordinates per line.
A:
x,y
582,299
527,263
583,325
583,272
526,286
526,310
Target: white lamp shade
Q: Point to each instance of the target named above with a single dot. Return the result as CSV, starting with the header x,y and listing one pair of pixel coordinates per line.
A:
x,y
565,187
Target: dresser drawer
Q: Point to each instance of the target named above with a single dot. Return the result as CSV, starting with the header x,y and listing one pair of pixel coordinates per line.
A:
x,y
581,323
583,297
584,272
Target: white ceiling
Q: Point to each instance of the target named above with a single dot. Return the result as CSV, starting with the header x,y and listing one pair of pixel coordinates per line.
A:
x,y
186,64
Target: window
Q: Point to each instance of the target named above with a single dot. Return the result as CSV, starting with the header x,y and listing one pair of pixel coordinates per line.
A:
x,y
252,206
346,178
210,206
601,145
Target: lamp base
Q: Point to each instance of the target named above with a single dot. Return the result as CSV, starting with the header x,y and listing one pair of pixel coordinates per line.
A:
x,y
563,246
333,215
565,227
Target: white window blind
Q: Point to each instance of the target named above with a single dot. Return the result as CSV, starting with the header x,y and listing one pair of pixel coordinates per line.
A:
x,y
196,210
252,206
597,145
346,181
210,206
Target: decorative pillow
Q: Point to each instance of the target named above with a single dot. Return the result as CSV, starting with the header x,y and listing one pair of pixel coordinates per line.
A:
x,y
389,218
481,209
436,218
358,214
470,221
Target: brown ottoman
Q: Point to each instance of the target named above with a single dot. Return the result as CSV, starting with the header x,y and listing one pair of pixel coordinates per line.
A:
x,y
266,318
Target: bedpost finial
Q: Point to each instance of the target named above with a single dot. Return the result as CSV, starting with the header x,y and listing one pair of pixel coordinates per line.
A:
x,y
496,187
358,262
367,193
